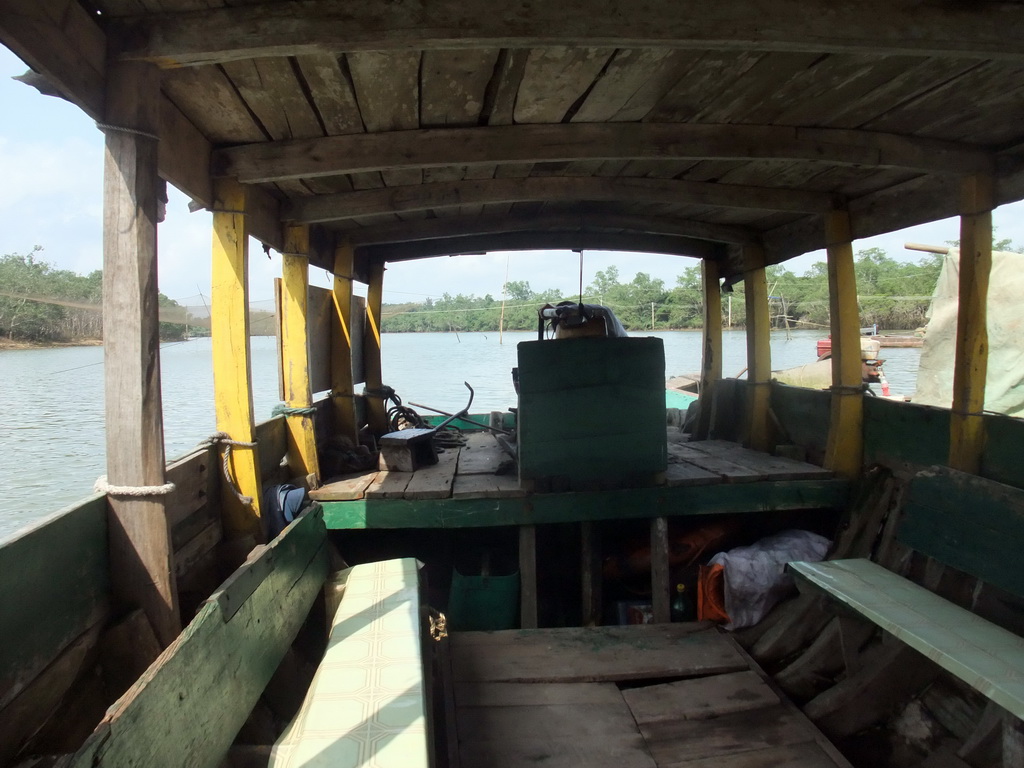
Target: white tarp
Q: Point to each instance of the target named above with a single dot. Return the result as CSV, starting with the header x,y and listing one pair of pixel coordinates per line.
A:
x,y
1004,390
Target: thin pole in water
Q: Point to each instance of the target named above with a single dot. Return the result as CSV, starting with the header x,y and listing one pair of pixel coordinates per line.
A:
x,y
504,294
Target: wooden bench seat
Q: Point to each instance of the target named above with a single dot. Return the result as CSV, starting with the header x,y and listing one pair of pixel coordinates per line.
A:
x,y
988,658
973,525
366,705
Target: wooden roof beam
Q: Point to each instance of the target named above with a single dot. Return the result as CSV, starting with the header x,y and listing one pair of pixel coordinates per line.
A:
x,y
424,197
437,147
459,226
540,240
898,27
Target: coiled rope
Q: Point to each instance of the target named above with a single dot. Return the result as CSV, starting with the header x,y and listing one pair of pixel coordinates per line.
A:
x,y
224,439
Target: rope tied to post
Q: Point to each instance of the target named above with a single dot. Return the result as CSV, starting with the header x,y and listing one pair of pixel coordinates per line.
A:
x,y
130,131
224,439
283,410
133,491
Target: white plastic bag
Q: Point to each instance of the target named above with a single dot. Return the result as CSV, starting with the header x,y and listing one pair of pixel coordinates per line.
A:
x,y
755,577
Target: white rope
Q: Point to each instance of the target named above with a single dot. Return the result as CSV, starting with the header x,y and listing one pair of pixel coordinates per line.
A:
x,y
102,486
130,131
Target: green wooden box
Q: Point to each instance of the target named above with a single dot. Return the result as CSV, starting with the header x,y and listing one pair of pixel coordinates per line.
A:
x,y
591,412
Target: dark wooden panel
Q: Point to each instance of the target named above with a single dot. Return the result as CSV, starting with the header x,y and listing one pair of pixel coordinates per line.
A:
x,y
804,415
970,523
700,698
1000,458
54,585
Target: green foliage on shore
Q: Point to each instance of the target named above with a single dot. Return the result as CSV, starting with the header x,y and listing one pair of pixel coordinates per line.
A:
x,y
42,304
894,294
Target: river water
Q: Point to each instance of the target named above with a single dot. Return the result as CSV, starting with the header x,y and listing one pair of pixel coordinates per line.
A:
x,y
52,440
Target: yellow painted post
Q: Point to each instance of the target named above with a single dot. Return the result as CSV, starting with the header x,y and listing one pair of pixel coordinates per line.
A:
x,y
232,371
966,424
376,412
844,450
302,456
759,352
342,384
711,364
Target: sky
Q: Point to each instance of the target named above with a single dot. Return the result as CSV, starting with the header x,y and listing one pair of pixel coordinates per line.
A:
x,y
51,165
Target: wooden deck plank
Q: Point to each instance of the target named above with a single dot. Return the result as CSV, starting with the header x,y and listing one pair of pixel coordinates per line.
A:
x,y
775,467
808,755
481,455
700,698
486,486
729,471
683,473
727,735
345,488
435,481
593,654
628,751
388,485
534,694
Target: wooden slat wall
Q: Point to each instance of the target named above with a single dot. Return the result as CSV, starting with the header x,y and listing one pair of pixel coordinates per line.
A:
x,y
320,315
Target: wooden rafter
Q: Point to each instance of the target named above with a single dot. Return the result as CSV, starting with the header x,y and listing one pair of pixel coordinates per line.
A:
x,y
430,148
422,197
465,226
543,240
900,27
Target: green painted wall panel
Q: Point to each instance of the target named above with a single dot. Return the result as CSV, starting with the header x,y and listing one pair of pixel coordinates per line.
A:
x,y
804,415
1001,458
623,504
54,584
895,431
968,522
592,408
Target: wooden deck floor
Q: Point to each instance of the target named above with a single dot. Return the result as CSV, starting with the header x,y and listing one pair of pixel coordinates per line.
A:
x,y
470,472
578,696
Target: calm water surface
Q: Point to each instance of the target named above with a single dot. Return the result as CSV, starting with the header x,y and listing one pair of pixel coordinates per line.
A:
x,y
52,440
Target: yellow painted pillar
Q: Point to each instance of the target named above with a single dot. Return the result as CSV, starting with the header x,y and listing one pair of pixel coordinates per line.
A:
x,y
759,352
966,424
232,371
844,450
376,411
302,456
342,383
711,364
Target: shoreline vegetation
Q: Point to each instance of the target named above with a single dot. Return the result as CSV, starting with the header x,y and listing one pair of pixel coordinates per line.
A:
x,y
42,306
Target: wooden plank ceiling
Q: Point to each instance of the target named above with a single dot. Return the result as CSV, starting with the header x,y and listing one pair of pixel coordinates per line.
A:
x,y
435,126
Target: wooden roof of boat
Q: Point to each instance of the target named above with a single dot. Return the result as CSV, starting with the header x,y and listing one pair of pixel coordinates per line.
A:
x,y
423,127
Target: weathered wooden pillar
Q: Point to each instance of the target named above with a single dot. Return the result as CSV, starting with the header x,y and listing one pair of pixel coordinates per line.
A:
x,y
661,598
232,369
141,553
376,411
966,423
844,450
711,363
342,384
528,613
759,351
302,456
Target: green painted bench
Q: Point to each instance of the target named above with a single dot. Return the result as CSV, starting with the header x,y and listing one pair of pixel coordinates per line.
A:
x,y
367,703
969,523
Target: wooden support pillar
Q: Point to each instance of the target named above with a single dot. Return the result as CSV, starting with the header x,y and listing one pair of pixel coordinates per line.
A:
x,y
376,412
590,573
966,424
845,447
711,364
661,597
232,370
342,385
759,352
528,576
302,456
141,552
